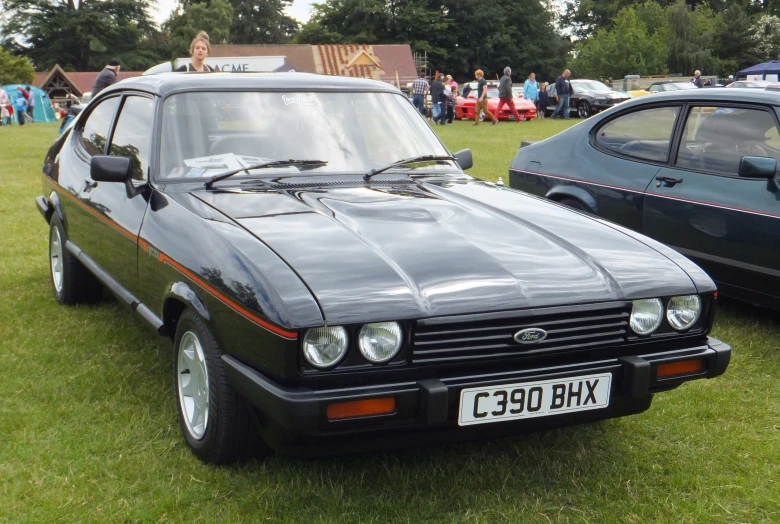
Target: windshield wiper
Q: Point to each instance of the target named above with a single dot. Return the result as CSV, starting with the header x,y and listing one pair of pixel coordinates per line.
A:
x,y
422,158
273,163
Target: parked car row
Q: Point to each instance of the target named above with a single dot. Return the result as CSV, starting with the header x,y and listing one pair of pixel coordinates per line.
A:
x,y
330,280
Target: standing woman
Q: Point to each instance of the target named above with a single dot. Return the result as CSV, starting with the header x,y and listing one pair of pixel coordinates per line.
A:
x,y
531,89
199,50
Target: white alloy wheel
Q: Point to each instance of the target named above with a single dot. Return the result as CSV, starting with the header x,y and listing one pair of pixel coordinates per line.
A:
x,y
55,257
192,383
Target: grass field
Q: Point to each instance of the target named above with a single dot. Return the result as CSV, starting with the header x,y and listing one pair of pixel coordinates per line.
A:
x,y
88,429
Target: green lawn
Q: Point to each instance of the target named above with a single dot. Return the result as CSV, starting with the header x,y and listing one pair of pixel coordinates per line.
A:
x,y
88,429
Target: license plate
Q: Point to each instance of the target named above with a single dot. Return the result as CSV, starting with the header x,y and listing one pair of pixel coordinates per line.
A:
x,y
533,399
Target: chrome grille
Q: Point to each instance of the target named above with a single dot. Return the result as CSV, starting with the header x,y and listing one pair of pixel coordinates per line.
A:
x,y
477,337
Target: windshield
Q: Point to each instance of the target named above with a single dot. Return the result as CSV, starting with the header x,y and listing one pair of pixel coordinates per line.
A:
x,y
205,134
678,86
590,85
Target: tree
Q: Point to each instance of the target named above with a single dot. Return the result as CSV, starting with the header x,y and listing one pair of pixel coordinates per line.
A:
x,y
765,38
262,22
214,18
693,34
636,44
83,35
586,17
458,35
15,69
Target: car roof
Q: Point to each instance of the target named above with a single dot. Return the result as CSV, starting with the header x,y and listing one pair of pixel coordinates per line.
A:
x,y
714,94
165,83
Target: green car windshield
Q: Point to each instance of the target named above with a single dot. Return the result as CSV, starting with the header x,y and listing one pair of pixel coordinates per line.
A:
x,y
207,133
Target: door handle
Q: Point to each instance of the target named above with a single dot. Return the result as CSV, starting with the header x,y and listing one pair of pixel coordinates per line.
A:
x,y
668,180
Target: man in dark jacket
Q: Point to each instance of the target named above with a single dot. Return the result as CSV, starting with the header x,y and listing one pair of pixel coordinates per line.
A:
x,y
106,77
506,96
563,92
438,99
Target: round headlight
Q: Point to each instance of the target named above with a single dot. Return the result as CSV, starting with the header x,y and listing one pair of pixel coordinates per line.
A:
x,y
380,342
646,315
683,312
324,347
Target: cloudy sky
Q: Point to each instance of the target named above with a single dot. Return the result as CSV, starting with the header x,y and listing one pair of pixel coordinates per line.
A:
x,y
299,10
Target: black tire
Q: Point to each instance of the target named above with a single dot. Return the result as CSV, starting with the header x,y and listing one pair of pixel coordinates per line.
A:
x,y
77,285
574,204
230,435
583,109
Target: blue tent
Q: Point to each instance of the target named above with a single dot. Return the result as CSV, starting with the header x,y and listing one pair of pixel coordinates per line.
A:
x,y
43,111
767,68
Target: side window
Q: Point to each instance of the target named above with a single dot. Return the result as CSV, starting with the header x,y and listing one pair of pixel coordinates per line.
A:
x,y
95,132
643,134
716,138
132,135
655,89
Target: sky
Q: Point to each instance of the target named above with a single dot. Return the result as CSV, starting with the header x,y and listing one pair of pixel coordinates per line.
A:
x,y
300,10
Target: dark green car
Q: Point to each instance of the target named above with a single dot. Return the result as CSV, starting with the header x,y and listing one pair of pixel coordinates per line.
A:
x,y
694,169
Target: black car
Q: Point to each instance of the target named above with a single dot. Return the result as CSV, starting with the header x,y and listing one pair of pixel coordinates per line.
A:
x,y
588,97
694,169
330,280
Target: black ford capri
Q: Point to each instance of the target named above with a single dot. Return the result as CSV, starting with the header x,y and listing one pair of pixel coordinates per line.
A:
x,y
330,280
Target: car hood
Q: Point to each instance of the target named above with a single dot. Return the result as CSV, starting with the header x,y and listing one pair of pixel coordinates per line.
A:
x,y
601,94
401,251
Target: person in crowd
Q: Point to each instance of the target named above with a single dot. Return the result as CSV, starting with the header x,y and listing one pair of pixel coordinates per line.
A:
x,y
482,100
541,103
107,77
697,81
420,89
451,88
438,99
199,51
563,92
20,107
5,105
531,89
505,94
30,104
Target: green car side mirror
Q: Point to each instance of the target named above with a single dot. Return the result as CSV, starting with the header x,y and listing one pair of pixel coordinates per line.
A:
x,y
757,167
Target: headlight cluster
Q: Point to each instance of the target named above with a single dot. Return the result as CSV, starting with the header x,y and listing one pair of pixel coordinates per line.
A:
x,y
324,347
681,313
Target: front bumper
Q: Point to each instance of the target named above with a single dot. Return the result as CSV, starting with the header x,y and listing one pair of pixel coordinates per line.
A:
x,y
294,420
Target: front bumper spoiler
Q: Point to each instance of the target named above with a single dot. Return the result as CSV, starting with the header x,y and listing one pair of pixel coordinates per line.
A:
x,y
297,415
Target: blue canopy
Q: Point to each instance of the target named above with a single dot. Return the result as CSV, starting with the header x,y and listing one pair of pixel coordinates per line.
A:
x,y
767,68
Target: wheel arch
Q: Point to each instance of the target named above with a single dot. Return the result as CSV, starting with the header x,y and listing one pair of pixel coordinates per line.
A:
x,y
559,193
179,297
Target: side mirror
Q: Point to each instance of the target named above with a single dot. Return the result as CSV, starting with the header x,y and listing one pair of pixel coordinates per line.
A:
x,y
464,159
105,168
757,167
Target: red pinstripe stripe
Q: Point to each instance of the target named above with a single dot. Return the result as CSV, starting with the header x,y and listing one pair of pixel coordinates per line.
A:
x,y
700,202
165,259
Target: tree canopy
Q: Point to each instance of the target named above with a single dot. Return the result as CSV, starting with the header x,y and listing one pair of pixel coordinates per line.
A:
x,y
214,18
459,36
15,69
83,35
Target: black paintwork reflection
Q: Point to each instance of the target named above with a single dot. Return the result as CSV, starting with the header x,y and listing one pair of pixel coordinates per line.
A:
x,y
370,254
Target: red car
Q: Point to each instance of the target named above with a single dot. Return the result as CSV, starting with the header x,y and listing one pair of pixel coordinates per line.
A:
x,y
464,107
